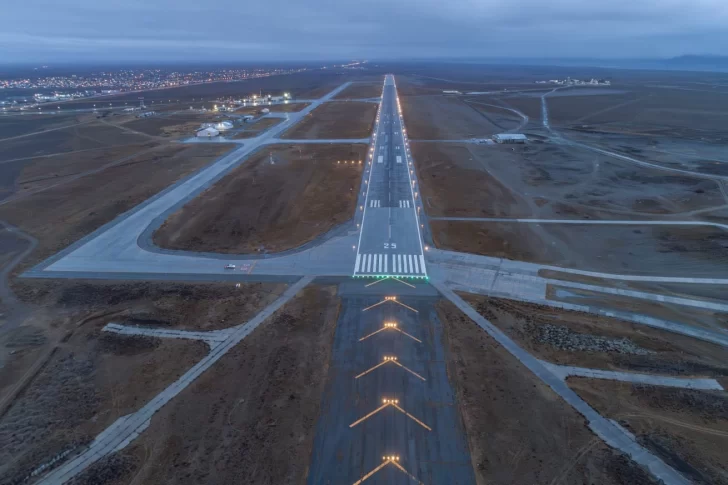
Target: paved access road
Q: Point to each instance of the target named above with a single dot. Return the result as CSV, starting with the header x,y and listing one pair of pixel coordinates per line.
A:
x,y
390,242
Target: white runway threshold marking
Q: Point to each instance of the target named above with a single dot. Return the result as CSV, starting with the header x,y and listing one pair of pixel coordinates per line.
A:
x,y
404,204
375,203
380,264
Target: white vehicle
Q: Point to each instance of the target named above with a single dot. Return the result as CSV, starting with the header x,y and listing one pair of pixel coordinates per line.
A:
x,y
230,266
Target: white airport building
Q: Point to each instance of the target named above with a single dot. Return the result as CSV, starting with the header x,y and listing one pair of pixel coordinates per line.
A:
x,y
223,125
510,138
208,132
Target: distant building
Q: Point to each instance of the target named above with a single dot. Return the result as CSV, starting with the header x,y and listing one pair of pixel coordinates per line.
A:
x,y
147,114
223,125
510,138
265,111
451,91
207,132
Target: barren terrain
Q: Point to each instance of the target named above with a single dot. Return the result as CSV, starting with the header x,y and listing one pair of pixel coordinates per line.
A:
x,y
585,340
39,172
546,181
688,429
255,129
82,136
183,124
271,207
64,213
519,430
649,250
63,380
439,117
339,119
17,125
274,108
703,317
361,90
252,415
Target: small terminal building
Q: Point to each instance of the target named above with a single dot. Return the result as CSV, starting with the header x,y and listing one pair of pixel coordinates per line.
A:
x,y
510,138
223,126
208,132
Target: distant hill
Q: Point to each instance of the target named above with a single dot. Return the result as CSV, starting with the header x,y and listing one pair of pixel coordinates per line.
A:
x,y
700,63
680,63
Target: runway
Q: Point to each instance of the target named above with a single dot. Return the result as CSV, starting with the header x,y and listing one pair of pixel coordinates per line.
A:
x,y
388,394
390,242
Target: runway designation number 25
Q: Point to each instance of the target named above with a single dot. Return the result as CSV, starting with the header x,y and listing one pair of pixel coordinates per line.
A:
x,y
390,245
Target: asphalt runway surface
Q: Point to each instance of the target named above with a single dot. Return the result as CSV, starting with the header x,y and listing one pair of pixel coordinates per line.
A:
x,y
422,428
390,241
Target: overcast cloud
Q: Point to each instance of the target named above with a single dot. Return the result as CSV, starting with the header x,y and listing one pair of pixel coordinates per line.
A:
x,y
74,30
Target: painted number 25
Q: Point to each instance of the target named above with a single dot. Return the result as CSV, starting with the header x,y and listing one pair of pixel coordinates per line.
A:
x,y
390,245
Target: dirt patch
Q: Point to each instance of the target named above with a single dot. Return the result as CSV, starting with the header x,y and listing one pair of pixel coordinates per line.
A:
x,y
714,293
541,180
255,129
63,214
519,430
319,90
528,105
702,317
586,340
685,113
78,137
173,125
575,108
261,422
698,251
361,90
264,206
63,380
688,429
340,119
91,380
445,118
39,173
16,125
274,108
455,184
113,469
190,306
500,240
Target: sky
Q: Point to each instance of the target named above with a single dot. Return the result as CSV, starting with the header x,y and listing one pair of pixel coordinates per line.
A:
x,y
235,30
